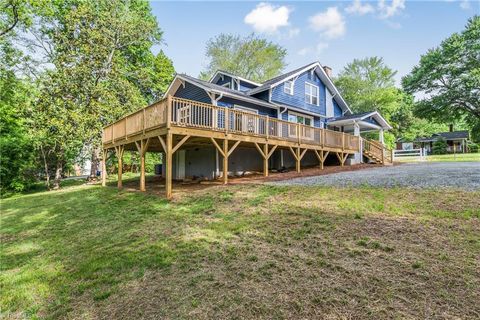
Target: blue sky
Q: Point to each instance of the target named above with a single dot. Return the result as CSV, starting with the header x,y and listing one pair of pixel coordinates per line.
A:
x,y
333,33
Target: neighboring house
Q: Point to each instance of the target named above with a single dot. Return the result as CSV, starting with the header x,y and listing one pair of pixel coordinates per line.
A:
x,y
286,113
456,141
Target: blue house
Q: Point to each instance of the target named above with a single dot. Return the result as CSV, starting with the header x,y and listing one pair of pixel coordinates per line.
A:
x,y
232,126
305,95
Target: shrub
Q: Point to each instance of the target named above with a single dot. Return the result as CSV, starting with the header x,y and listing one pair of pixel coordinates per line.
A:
x,y
473,147
440,146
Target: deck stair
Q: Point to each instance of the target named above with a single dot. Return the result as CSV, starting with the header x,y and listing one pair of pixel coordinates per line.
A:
x,y
377,153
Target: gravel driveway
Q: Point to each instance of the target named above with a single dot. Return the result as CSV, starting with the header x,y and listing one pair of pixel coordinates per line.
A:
x,y
464,175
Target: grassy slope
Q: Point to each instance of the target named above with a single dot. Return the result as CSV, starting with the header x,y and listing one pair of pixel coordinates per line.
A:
x,y
243,251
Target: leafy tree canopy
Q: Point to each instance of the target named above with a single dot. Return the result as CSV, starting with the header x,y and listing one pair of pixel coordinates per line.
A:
x,y
447,78
250,57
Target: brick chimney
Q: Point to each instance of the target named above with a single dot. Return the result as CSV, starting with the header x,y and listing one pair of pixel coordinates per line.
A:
x,y
328,71
451,127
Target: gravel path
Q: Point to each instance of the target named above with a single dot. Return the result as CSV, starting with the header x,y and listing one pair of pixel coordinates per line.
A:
x,y
464,175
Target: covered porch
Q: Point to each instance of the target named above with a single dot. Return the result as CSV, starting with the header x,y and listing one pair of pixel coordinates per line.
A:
x,y
356,124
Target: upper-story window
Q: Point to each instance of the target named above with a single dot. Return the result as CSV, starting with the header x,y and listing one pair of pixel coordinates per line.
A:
x,y
288,87
311,93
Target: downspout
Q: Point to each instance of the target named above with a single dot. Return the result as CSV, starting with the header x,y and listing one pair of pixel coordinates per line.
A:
x,y
217,169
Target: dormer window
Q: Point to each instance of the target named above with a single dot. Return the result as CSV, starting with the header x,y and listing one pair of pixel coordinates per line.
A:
x,y
288,87
311,94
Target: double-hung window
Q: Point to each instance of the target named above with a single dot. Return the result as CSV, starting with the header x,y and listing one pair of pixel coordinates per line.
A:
x,y
288,87
311,94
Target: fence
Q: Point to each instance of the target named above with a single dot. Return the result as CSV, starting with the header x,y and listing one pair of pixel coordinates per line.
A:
x,y
410,155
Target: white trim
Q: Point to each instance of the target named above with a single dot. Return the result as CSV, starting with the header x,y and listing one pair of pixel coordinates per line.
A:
x,y
246,109
322,75
311,95
290,88
383,123
298,110
225,94
233,76
301,115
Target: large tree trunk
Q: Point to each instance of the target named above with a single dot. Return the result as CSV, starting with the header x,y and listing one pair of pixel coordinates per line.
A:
x,y
58,175
45,167
95,159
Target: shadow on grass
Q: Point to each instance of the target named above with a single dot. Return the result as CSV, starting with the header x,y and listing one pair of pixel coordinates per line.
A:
x,y
88,239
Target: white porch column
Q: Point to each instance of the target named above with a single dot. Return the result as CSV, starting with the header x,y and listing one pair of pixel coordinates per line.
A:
x,y
356,132
380,136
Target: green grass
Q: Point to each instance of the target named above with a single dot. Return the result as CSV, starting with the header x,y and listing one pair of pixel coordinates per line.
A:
x,y
460,157
454,157
248,251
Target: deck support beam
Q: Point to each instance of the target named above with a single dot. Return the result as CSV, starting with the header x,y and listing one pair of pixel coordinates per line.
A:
x,y
298,155
168,164
225,161
341,157
322,156
266,154
119,150
142,148
104,167
225,152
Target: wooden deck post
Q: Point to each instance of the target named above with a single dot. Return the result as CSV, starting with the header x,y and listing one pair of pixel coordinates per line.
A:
x,y
142,148
104,167
265,160
297,151
321,157
225,161
168,166
119,151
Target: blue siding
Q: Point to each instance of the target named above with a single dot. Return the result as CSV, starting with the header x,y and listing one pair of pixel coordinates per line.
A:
x,y
226,79
192,92
298,98
229,102
245,86
262,95
337,111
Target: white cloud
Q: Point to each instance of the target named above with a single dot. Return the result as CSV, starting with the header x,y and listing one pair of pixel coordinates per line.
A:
x,y
360,9
321,47
304,51
268,18
465,4
389,10
293,32
330,23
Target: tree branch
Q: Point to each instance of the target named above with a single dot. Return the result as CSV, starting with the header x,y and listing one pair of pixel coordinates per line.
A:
x,y
15,19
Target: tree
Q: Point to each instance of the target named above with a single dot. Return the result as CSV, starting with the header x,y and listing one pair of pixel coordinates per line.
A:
x,y
250,57
16,146
369,85
103,68
448,78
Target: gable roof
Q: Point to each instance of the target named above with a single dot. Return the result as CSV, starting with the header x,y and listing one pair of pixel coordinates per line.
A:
x,y
454,135
233,76
269,84
360,117
215,88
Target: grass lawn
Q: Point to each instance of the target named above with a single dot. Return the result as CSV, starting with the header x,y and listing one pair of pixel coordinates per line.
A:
x,y
454,157
244,251
462,157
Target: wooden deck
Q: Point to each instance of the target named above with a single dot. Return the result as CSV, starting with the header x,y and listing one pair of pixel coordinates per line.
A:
x,y
175,123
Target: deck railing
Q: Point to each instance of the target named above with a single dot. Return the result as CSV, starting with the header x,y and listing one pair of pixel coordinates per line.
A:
x,y
378,150
173,111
